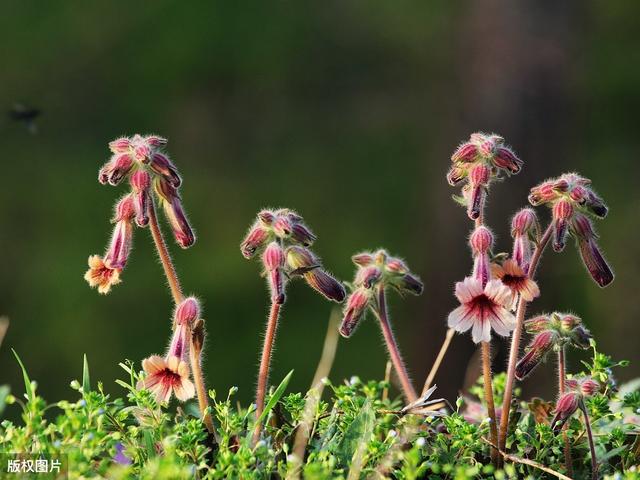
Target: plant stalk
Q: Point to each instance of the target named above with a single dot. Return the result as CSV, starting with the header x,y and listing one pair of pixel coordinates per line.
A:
x,y
515,341
488,396
195,350
392,347
592,447
265,362
561,389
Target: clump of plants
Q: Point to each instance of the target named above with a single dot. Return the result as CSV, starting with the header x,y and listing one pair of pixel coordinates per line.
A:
x,y
358,430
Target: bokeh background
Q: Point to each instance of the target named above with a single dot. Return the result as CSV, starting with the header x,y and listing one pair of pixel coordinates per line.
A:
x,y
346,111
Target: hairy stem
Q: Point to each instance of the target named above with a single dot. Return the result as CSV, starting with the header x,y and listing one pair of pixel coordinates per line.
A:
x,y
592,447
515,341
488,396
265,362
561,389
178,297
392,347
163,253
438,361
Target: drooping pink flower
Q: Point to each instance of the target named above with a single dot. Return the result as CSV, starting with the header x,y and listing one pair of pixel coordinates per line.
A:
x,y
482,309
101,275
273,260
354,311
524,231
481,242
514,277
592,257
537,350
174,213
167,376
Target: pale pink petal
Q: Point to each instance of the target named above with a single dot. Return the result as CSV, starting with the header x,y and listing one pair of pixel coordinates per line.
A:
x,y
172,363
530,290
459,319
498,292
468,289
183,369
153,364
481,331
163,391
185,390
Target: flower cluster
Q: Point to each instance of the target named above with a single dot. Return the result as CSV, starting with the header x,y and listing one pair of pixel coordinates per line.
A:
x,y
150,173
282,239
578,388
551,332
481,159
375,270
485,302
171,374
573,204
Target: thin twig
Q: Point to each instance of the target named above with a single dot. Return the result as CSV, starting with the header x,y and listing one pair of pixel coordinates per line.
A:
x,y
526,461
438,361
515,340
488,395
568,461
592,447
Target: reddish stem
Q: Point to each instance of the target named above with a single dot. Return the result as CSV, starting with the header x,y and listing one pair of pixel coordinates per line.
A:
x,y
592,447
265,362
561,389
392,347
515,341
488,396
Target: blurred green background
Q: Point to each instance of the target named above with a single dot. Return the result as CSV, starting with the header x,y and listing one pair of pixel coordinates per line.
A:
x,y
345,111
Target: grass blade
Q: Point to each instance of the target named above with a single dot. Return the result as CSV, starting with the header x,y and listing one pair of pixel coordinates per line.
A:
x,y
86,381
273,400
27,381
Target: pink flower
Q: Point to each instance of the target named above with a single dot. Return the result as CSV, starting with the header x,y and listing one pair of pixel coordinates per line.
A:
x,y
101,275
165,376
482,309
514,277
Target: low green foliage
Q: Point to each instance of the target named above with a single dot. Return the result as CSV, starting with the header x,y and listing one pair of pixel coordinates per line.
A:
x,y
357,432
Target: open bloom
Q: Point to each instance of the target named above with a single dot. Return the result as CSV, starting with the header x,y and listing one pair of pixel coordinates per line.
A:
x,y
482,309
165,376
101,275
513,276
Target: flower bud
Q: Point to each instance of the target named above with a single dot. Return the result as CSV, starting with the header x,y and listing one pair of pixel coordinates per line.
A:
x,y
466,152
479,175
562,212
363,259
541,344
301,234
595,262
537,324
120,145
354,311
300,260
368,276
140,182
456,174
267,217
481,240
543,193
325,284
505,159
255,239
161,165
124,209
155,141
282,226
273,261
408,283
581,337
568,321
524,222
589,387
187,312
116,169
182,231
397,266
595,205
565,407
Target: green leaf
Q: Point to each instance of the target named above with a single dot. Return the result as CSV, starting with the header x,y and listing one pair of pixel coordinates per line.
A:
x,y
4,392
275,397
27,381
86,381
358,432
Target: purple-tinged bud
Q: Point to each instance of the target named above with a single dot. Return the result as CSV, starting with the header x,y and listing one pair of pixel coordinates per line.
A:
x,y
182,231
155,141
325,284
581,337
524,222
596,205
368,276
267,217
116,169
409,283
537,350
543,193
301,234
363,259
161,165
300,260
507,160
120,246
282,226
582,227
273,260
187,312
481,240
589,387
565,407
481,268
478,181
593,259
562,213
456,174
397,266
354,311
466,152
255,239
479,175
487,144
537,324
120,145
140,182
568,321
522,251
124,210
